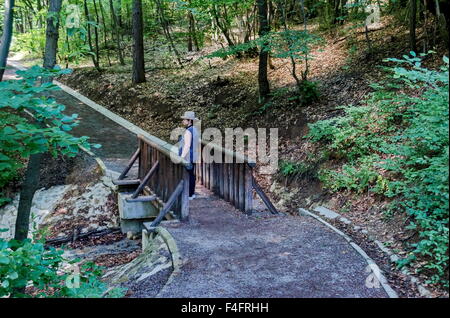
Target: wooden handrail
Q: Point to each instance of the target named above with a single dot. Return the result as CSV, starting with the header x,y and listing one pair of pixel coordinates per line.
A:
x,y
145,180
242,158
166,149
264,197
130,164
162,213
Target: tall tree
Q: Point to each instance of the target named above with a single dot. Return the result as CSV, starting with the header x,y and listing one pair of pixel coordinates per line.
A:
x,y
51,35
29,187
94,56
138,47
5,41
412,25
263,82
116,32
166,30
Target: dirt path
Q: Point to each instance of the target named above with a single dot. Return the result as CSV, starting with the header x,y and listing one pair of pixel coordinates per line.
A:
x,y
229,254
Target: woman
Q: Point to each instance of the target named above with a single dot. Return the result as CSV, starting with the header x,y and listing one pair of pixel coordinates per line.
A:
x,y
189,147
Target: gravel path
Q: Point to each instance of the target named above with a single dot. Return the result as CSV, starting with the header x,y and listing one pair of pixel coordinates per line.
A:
x,y
228,254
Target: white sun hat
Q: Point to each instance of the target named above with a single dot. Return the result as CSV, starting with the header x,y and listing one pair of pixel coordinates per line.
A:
x,y
189,115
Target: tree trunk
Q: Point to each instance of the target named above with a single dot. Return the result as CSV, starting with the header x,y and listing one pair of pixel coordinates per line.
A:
x,y
116,32
190,33
97,45
305,29
119,14
91,48
29,187
264,88
293,63
138,47
222,28
5,41
166,30
51,37
105,37
412,25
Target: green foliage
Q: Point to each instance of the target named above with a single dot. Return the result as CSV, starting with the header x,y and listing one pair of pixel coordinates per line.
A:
x,y
283,44
289,168
24,263
308,92
397,145
32,43
358,177
20,134
296,169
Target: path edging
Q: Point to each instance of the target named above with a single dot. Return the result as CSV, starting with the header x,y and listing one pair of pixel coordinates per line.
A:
x,y
329,214
105,171
376,271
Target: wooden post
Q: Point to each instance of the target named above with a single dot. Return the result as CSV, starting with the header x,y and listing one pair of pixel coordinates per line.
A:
x,y
248,189
184,213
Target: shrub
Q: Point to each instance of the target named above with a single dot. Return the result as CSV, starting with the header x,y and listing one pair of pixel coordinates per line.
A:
x,y
398,145
24,263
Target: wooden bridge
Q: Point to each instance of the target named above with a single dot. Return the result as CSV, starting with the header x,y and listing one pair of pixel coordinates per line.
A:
x,y
163,179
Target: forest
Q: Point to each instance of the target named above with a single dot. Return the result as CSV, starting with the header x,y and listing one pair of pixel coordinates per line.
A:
x,y
358,90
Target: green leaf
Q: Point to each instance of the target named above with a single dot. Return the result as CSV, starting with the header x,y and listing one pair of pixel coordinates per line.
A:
x,y
4,260
5,284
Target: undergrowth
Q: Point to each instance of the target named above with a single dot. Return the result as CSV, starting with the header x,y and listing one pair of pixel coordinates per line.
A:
x,y
397,145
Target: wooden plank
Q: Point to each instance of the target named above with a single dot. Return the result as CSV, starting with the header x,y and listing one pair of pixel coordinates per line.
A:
x,y
216,178
242,187
226,192
126,182
248,189
165,148
178,177
151,161
184,213
164,178
146,198
166,208
206,176
220,178
235,155
211,176
264,197
130,164
141,172
145,180
236,185
159,184
232,182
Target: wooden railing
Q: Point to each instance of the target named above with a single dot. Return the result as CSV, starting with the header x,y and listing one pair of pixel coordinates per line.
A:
x,y
231,178
163,178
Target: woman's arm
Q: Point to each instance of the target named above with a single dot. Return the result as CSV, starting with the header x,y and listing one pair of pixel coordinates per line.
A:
x,y
187,144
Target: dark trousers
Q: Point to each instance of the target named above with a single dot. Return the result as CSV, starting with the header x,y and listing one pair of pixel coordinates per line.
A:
x,y
192,180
